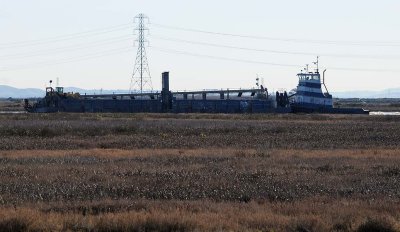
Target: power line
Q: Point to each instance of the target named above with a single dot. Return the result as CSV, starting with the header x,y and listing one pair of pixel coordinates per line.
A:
x,y
69,60
56,39
265,63
65,48
330,42
277,51
219,57
68,35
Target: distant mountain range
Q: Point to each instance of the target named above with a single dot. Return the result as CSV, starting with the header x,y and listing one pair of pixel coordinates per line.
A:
x,y
11,92
387,93
8,91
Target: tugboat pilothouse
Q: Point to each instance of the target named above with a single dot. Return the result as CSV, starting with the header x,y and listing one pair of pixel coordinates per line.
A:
x,y
309,96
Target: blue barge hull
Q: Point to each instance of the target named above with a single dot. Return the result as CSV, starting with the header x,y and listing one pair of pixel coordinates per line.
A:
x,y
156,106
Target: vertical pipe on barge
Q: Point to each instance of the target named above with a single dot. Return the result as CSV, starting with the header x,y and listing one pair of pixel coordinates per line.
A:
x,y
166,95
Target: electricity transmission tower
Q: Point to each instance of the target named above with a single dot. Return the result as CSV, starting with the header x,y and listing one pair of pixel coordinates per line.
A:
x,y
141,79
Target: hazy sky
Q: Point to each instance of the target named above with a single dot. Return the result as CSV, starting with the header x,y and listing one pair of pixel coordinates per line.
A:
x,y
89,43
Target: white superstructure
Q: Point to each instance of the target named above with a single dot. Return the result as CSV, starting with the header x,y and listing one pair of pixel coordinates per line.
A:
x,y
309,91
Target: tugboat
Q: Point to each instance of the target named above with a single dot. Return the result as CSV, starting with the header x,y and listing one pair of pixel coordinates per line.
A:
x,y
309,97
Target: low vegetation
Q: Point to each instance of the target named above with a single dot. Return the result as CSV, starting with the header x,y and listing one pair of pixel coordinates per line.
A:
x,y
124,131
7,105
148,172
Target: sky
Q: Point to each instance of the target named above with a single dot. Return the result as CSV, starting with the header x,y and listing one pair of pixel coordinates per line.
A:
x,y
204,44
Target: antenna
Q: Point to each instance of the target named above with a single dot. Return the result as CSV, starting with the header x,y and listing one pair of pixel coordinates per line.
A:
x,y
317,63
141,78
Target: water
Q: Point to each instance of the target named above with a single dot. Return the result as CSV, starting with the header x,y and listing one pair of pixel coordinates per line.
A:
x,y
384,113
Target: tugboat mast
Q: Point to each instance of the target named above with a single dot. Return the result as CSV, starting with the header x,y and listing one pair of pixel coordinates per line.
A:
x,y
316,63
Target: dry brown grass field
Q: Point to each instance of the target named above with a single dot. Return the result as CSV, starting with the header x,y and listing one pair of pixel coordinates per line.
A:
x,y
199,172
11,105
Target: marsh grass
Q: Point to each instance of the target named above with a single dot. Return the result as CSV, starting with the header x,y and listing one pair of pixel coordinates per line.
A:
x,y
198,189
131,131
148,172
145,215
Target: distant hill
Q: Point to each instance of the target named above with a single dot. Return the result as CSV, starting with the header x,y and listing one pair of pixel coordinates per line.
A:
x,y
387,93
8,91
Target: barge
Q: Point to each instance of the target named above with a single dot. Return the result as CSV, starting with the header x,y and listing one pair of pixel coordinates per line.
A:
x,y
308,98
255,100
